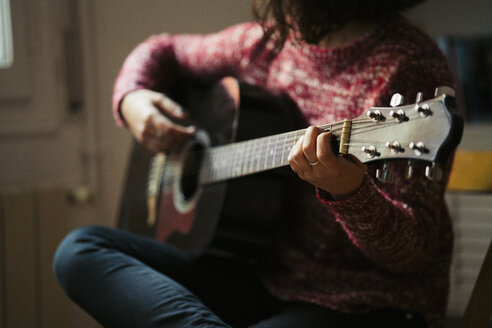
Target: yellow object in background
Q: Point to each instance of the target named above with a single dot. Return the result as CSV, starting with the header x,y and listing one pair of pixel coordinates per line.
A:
x,y
472,171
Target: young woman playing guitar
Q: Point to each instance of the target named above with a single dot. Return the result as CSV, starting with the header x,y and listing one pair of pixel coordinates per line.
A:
x,y
352,251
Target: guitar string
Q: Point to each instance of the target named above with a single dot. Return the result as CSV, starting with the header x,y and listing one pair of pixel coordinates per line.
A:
x,y
274,146
283,144
243,167
287,141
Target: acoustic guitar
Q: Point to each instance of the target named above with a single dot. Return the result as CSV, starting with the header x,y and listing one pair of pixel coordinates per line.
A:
x,y
217,189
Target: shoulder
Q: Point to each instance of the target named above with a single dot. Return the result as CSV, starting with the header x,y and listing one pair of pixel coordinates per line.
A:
x,y
235,39
406,42
411,60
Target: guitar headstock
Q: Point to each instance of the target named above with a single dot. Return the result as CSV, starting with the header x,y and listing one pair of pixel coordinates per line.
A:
x,y
425,130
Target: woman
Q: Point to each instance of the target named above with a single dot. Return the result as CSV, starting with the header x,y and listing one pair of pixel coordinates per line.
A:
x,y
353,252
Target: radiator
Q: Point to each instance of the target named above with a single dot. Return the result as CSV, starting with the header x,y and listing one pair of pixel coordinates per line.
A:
x,y
31,226
472,215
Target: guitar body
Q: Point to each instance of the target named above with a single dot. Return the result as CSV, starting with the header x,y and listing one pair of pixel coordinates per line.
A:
x,y
238,216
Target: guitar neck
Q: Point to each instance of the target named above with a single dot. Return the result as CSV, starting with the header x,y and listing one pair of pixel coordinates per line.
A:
x,y
249,157
379,134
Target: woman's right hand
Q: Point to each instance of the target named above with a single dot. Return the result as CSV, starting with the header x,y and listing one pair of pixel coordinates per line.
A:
x,y
143,112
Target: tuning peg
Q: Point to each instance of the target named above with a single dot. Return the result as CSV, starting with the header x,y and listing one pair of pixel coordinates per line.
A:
x,y
384,174
394,146
443,90
370,151
396,100
424,110
398,115
376,115
433,172
418,148
409,169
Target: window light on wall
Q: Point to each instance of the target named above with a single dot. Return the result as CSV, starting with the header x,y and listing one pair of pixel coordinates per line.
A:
x,y
6,44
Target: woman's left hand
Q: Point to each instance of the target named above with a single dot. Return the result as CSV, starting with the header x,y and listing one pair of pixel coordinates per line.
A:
x,y
313,159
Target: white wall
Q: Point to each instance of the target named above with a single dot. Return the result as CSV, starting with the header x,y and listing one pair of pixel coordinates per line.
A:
x,y
454,17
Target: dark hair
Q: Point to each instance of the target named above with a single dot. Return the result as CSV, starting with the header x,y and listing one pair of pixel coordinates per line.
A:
x,y
313,19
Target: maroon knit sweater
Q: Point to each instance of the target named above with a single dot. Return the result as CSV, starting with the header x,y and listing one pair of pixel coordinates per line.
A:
x,y
387,245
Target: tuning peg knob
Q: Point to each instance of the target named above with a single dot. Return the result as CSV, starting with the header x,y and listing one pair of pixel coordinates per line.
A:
x,y
443,90
370,151
376,115
424,110
409,169
418,148
396,100
398,115
395,147
433,172
384,174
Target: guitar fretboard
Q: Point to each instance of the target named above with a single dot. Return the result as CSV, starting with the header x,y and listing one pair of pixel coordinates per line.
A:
x,y
248,157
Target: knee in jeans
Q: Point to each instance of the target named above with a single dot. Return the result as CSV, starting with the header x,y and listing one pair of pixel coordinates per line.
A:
x,y
69,256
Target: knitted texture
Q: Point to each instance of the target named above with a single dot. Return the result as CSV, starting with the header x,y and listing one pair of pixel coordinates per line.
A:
x,y
387,245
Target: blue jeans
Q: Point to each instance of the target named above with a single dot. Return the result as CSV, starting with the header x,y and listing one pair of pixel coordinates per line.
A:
x,y
124,280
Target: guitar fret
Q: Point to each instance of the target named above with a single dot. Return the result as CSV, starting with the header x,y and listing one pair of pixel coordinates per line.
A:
x,y
266,157
264,149
272,151
240,155
285,155
249,156
221,171
237,168
258,158
230,160
206,168
218,160
237,153
243,158
236,162
252,157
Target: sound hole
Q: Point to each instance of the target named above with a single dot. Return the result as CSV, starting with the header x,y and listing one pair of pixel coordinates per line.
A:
x,y
191,171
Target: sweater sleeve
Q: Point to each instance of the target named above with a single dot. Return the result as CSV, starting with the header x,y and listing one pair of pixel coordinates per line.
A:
x,y
396,224
157,62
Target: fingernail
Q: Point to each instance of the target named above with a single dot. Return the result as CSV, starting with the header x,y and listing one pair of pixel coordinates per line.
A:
x,y
179,110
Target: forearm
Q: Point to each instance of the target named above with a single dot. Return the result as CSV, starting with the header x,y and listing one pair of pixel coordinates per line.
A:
x,y
396,227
